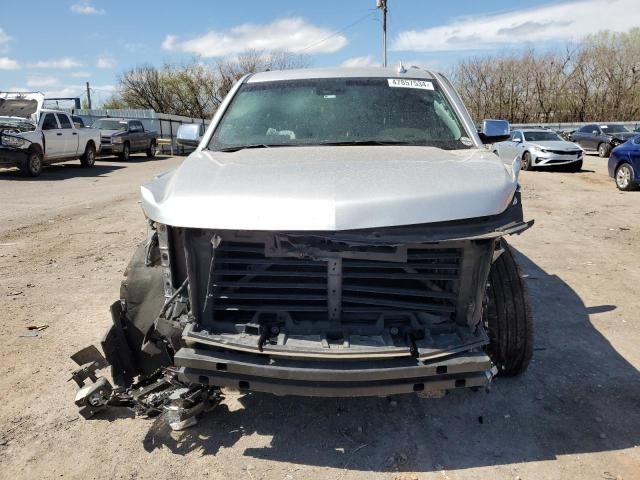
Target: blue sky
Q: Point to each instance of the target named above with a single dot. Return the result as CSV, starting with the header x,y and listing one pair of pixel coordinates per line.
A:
x,y
56,46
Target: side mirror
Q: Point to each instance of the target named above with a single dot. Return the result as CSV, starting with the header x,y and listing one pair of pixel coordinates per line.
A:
x,y
517,139
494,131
595,132
189,135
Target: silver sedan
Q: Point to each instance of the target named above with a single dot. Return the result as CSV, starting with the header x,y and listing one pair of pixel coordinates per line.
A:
x,y
539,148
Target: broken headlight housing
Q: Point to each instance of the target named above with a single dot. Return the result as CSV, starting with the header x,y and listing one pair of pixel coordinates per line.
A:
x,y
12,141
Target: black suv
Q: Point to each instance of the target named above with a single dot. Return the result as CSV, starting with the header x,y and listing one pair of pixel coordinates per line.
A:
x,y
602,138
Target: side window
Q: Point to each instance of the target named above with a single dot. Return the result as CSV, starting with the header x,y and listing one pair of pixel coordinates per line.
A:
x,y
594,128
49,122
135,127
64,120
516,136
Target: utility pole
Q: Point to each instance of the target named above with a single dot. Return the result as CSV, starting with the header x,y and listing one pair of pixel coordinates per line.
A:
x,y
382,4
88,96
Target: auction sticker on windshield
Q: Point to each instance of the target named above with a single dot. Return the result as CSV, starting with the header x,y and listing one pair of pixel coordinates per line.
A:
x,y
409,83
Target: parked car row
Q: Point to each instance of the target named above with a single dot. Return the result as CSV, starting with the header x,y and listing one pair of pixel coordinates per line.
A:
x,y
541,147
31,136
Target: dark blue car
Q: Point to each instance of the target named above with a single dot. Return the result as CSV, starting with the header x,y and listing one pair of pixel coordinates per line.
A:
x,y
624,164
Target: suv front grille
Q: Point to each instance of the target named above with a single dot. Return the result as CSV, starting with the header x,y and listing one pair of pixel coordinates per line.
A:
x,y
246,283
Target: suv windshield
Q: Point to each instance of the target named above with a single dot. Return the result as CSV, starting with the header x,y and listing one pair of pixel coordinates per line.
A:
x,y
340,111
541,136
110,124
614,128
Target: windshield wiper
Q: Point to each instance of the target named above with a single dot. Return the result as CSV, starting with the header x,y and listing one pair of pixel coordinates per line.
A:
x,y
253,145
369,142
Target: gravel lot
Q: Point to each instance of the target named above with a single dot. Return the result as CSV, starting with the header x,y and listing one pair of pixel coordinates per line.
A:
x,y
66,237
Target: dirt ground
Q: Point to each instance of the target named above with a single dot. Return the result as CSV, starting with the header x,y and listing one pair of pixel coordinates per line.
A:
x,y
66,237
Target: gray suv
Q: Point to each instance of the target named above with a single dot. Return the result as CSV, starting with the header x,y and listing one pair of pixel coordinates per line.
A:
x,y
337,232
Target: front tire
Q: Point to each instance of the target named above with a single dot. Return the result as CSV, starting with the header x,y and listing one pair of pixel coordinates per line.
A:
x,y
126,152
525,161
625,178
88,158
603,150
575,167
31,166
507,316
151,151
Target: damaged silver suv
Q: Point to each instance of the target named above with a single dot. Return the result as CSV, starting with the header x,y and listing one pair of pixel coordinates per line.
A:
x,y
337,232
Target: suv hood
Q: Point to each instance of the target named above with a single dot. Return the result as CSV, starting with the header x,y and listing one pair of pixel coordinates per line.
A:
x,y
21,105
329,188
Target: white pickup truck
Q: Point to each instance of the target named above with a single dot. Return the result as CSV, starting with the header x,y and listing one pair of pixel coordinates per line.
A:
x,y
31,136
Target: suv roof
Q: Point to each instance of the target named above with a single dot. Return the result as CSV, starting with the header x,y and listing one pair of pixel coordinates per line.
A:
x,y
340,72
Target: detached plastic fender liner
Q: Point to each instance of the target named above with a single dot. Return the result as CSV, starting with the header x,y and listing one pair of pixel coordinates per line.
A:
x,y
141,298
117,351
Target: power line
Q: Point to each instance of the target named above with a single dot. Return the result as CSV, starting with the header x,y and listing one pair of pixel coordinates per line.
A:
x,y
361,19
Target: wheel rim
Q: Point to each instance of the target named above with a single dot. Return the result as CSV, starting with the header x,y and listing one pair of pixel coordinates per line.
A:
x,y
623,177
34,163
601,150
91,157
126,151
525,161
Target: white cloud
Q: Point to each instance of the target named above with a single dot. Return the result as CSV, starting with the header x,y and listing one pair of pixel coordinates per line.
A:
x,y
39,82
7,63
293,34
367,61
80,74
84,7
61,63
106,61
557,22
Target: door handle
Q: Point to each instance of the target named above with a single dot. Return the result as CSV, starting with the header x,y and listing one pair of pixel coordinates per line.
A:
x,y
59,134
74,133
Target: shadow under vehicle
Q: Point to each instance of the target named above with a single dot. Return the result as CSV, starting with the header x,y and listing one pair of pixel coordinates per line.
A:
x,y
337,233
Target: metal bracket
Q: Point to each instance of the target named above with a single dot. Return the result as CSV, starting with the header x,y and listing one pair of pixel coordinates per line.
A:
x,y
334,288
165,259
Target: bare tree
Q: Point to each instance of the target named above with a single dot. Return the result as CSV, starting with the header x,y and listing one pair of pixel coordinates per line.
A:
x,y
598,79
194,89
